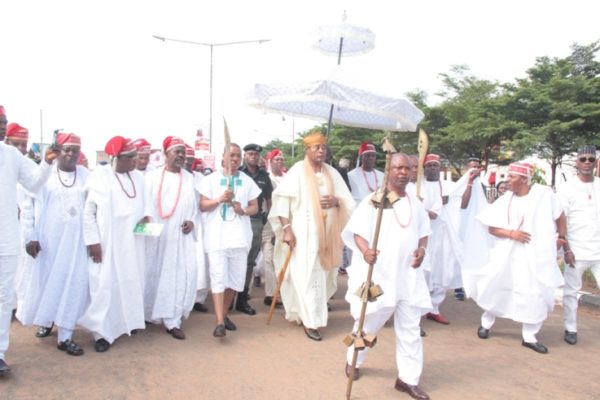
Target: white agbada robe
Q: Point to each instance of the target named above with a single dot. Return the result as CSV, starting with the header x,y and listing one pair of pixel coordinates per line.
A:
x,y
363,183
444,247
58,291
171,273
474,236
519,280
405,291
16,169
307,286
116,284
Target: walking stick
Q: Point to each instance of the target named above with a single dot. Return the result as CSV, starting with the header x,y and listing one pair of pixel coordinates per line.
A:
x,y
369,291
279,282
422,147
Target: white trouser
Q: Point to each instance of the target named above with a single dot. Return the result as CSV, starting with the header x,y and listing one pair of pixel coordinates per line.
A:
x,y
438,294
409,346
201,295
171,323
528,331
64,334
268,266
8,269
573,283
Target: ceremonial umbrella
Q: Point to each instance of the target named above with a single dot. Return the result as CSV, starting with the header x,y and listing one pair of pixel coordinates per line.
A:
x,y
351,106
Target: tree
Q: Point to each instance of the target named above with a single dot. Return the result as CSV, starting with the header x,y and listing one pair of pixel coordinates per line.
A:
x,y
558,104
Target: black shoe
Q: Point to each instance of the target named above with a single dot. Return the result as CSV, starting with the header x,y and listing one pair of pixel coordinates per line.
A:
x,y
70,347
483,333
229,325
537,347
101,345
43,332
329,308
459,294
257,281
242,305
200,307
570,337
269,299
219,331
4,368
312,334
177,333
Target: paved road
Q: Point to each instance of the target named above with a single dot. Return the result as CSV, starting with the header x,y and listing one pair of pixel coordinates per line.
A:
x,y
279,362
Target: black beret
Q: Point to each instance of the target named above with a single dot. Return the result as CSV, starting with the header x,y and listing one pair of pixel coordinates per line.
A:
x,y
253,147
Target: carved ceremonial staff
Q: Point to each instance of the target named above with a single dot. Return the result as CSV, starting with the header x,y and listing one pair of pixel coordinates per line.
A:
x,y
369,291
423,147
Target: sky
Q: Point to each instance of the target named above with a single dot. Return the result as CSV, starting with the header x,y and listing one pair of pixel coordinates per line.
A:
x,y
93,67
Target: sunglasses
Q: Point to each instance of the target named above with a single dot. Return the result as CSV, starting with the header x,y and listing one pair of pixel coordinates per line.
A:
x,y
588,159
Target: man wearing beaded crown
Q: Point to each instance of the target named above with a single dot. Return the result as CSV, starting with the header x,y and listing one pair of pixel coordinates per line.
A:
x,y
522,274
580,198
57,293
444,248
228,197
310,207
171,271
113,207
404,229
16,169
365,179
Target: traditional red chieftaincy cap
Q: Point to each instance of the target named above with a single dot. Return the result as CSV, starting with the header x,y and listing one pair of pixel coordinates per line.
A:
x,y
16,131
119,145
275,153
521,168
171,142
432,158
366,147
143,146
68,139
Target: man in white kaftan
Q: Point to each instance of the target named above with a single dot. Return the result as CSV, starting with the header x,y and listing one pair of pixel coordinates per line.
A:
x,y
444,247
114,206
171,271
401,250
57,293
310,208
228,201
522,274
16,169
580,198
365,179
465,202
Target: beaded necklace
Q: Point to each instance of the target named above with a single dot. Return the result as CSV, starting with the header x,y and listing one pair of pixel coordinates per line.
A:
x,y
409,217
64,184
160,209
132,185
367,181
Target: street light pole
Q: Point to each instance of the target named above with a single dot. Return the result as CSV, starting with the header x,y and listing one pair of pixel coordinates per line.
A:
x,y
211,45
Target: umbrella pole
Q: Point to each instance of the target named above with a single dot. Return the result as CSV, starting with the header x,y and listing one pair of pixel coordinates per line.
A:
x,y
331,108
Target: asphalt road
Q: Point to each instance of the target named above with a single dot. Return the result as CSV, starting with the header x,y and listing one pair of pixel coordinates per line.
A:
x,y
279,362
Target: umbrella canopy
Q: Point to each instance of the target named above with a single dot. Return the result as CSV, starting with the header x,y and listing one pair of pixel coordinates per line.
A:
x,y
351,106
344,39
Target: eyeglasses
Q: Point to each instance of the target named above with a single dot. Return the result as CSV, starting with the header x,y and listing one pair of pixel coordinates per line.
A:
x,y
588,159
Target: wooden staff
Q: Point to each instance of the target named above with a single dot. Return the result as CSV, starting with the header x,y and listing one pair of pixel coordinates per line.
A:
x,y
423,147
369,292
279,282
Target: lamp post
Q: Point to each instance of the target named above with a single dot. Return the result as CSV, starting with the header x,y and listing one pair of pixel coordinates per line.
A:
x,y
211,45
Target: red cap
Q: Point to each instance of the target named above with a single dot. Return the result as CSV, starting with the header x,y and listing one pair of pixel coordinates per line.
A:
x,y
189,151
171,142
366,147
68,139
521,168
275,153
432,158
16,131
119,145
143,146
